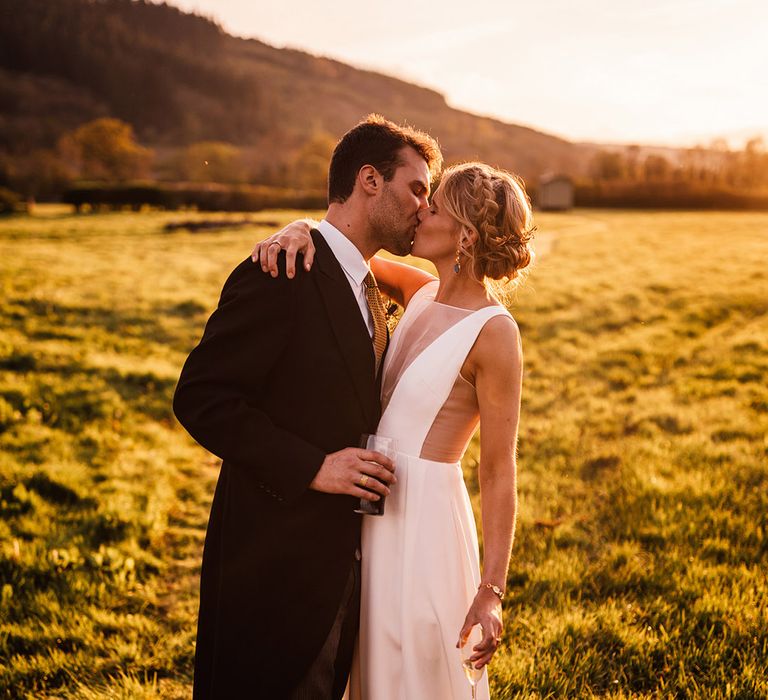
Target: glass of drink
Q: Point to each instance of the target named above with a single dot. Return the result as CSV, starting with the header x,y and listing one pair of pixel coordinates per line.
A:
x,y
473,674
387,447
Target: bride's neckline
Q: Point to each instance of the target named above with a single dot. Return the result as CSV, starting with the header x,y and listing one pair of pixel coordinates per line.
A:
x,y
462,308
431,297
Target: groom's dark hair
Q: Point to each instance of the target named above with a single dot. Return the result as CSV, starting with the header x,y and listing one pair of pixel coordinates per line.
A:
x,y
378,142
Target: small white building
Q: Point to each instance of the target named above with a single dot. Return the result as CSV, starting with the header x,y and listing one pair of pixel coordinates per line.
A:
x,y
555,193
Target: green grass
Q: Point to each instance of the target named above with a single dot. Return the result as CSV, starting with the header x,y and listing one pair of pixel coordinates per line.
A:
x,y
639,568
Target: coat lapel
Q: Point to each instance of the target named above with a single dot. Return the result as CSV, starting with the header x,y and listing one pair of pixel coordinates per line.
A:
x,y
347,323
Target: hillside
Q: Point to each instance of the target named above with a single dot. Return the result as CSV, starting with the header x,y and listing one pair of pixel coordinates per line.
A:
x,y
179,78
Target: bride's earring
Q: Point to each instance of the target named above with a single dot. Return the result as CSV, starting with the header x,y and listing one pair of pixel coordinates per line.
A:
x,y
457,262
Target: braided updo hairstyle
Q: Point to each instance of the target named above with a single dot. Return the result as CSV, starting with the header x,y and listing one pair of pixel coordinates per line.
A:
x,y
494,204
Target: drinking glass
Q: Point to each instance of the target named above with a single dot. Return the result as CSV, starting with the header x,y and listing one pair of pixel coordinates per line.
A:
x,y
386,446
473,674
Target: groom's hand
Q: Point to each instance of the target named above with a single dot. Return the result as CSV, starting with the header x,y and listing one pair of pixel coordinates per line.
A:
x,y
349,469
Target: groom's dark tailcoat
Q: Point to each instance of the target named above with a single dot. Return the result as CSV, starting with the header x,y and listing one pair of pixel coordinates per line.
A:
x,y
283,375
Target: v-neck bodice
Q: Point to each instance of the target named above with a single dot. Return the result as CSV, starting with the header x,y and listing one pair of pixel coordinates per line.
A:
x,y
420,560
425,336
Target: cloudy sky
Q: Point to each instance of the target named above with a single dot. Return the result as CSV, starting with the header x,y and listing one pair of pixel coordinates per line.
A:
x,y
658,71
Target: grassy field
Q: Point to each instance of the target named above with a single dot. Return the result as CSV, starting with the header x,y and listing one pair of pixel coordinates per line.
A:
x,y
639,569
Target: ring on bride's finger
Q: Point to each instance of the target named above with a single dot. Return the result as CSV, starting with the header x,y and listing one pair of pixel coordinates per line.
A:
x,y
275,243
363,479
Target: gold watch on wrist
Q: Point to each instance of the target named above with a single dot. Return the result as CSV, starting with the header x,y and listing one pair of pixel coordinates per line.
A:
x,y
494,588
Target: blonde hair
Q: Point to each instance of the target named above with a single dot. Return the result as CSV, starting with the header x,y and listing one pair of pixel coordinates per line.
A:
x,y
493,203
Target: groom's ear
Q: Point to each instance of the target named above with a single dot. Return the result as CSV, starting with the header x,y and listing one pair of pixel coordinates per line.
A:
x,y
370,180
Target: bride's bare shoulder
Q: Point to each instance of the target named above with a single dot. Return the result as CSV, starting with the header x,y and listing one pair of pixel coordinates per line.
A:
x,y
501,328
498,343
497,352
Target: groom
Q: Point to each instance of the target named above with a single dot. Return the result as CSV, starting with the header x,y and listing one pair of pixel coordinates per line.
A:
x,y
285,378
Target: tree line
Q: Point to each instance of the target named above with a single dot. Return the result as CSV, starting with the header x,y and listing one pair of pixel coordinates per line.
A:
x,y
716,165
105,152
102,162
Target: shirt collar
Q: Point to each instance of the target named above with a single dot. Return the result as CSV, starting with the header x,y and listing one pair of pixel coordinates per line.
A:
x,y
346,252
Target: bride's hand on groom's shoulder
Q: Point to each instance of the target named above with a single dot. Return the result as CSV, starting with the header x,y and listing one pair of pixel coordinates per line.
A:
x,y
294,238
346,471
486,612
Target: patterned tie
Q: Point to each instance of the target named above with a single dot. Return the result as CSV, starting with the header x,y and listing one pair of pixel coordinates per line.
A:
x,y
376,308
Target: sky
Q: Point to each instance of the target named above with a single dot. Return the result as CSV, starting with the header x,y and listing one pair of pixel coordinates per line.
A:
x,y
667,72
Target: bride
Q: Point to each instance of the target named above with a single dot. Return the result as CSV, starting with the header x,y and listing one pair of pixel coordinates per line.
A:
x,y
454,360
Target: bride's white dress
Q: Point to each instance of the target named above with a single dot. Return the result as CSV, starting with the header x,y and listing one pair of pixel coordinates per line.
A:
x,y
420,565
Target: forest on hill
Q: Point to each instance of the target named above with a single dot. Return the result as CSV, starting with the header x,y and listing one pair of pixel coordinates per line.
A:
x,y
178,78
126,91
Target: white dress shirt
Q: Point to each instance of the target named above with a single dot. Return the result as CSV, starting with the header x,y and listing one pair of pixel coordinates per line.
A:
x,y
353,264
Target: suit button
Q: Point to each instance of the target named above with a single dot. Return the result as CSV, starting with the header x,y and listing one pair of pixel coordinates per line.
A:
x,y
358,554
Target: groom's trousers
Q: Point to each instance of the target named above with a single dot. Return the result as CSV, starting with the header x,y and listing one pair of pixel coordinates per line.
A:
x,y
326,678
